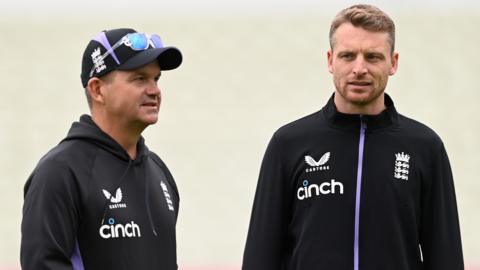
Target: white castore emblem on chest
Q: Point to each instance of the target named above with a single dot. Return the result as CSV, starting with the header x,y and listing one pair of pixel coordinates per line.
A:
x,y
115,200
402,166
319,165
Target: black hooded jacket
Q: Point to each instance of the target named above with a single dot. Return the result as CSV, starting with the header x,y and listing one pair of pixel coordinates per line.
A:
x,y
89,206
349,192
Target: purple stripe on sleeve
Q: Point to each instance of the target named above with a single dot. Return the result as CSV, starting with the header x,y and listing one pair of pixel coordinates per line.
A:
x,y
76,258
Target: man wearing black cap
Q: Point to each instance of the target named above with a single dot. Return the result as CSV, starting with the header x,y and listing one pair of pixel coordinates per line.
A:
x,y
100,199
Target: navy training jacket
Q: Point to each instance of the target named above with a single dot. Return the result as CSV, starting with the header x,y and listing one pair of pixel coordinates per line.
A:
x,y
349,192
89,206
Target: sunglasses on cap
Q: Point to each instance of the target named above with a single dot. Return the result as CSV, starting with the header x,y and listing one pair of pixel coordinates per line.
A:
x,y
136,41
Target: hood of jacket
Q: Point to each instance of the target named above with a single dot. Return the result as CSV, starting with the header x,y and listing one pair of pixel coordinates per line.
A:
x,y
86,130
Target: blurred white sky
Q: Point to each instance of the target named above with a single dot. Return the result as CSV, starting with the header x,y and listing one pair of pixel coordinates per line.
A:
x,y
115,8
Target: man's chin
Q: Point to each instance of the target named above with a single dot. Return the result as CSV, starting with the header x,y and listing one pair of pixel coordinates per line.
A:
x,y
149,119
362,97
359,98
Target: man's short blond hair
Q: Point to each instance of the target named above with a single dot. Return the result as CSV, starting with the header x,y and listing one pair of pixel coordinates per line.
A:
x,y
367,17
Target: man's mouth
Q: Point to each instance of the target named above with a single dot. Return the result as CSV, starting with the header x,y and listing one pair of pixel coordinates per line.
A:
x,y
360,83
150,104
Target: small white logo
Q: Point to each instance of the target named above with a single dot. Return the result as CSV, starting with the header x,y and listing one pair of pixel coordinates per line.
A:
x,y
116,201
167,196
310,190
402,166
97,60
317,165
112,230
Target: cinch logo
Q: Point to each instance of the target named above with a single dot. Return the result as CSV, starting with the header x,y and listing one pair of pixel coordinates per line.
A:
x,y
317,165
324,188
116,201
111,230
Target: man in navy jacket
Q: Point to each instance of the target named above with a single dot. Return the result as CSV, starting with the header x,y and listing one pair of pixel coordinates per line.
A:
x,y
101,199
356,185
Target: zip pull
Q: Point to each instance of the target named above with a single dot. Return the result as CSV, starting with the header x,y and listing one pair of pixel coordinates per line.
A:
x,y
363,123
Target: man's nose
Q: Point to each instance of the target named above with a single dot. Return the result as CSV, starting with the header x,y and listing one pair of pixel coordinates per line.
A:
x,y
153,89
360,67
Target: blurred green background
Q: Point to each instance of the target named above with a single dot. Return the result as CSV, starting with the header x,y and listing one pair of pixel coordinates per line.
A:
x,y
249,67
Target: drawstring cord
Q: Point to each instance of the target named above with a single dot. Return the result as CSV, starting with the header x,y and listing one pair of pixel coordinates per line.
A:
x,y
147,205
147,196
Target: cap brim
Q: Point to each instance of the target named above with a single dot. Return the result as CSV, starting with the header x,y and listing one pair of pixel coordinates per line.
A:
x,y
168,58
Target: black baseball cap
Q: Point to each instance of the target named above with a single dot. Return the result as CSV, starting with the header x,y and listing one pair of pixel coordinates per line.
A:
x,y
118,49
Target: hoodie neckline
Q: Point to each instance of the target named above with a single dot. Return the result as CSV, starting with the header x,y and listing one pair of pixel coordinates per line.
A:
x,y
86,130
387,118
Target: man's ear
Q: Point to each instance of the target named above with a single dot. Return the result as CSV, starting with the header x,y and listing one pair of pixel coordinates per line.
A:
x,y
95,89
394,67
330,60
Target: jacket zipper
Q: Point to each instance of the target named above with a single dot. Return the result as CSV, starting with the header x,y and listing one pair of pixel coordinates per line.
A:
x,y
361,143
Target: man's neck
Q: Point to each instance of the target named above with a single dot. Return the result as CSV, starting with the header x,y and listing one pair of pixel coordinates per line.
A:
x,y
372,108
126,136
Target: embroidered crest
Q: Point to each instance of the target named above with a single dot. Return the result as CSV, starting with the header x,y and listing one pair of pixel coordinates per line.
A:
x,y
402,166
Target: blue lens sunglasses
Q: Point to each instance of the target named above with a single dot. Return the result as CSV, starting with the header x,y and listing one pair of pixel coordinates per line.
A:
x,y
136,41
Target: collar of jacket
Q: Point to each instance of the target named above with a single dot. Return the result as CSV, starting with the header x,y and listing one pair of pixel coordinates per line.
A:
x,y
87,130
387,118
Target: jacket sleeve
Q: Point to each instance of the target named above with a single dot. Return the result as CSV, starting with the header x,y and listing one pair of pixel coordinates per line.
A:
x,y
50,218
267,235
440,233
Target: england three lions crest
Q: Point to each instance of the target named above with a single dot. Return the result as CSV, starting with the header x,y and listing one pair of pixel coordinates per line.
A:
x,y
402,166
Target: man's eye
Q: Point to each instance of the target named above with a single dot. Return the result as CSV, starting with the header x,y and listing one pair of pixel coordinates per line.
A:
x,y
374,57
346,56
